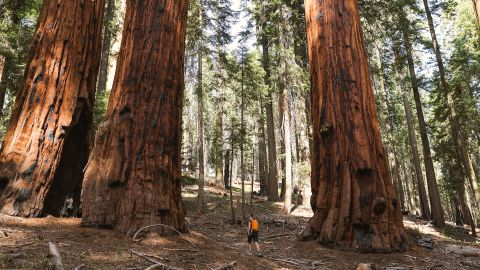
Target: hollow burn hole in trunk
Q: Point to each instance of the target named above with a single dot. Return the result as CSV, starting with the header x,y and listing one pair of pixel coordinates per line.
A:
x,y
67,182
363,236
3,183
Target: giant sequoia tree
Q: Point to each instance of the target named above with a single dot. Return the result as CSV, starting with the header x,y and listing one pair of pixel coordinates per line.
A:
x,y
354,202
132,178
47,142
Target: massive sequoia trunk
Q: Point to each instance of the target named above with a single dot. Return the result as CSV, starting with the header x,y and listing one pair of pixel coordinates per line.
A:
x,y
48,138
132,178
354,202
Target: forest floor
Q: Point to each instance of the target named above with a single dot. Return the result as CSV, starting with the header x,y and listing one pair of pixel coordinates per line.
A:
x,y
214,242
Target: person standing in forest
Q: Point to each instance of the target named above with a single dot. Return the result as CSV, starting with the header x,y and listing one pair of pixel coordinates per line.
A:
x,y
253,233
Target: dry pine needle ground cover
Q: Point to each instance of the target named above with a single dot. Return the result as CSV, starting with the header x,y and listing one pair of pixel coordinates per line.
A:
x,y
214,243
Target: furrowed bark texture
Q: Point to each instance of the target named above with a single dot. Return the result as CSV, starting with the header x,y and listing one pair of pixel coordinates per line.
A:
x,y
132,178
354,202
48,138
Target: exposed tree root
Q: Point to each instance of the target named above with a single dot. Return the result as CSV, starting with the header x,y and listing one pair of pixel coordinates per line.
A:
x,y
161,225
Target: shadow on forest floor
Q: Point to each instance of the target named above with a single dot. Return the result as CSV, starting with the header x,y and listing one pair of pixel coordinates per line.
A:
x,y
24,242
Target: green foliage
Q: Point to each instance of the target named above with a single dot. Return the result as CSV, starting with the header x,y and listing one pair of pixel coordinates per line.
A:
x,y
188,181
101,103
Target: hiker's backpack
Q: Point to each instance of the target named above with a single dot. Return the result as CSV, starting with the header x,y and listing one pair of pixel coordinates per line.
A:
x,y
254,225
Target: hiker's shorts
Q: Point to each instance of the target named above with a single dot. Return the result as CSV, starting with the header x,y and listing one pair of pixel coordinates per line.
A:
x,y
253,237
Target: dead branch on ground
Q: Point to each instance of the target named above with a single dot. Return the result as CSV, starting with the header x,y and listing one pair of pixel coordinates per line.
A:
x,y
155,262
56,260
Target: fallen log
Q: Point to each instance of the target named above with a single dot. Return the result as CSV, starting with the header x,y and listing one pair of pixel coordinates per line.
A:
x,y
56,259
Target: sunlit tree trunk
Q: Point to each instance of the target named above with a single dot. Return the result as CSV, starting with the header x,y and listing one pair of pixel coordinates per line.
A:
x,y
412,137
284,109
476,7
262,152
392,154
242,135
437,210
2,90
353,201
201,156
133,177
48,138
106,46
272,150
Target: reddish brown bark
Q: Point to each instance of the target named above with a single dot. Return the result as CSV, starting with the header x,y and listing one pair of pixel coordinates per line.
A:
x,y
133,177
2,90
272,149
47,142
476,7
354,202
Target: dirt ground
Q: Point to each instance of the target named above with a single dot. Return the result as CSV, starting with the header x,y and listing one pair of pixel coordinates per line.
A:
x,y
215,242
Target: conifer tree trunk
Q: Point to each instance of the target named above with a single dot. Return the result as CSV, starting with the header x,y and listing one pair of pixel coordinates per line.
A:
x,y
201,156
410,195
284,108
476,7
392,155
106,46
412,138
272,150
456,131
353,201
133,177
424,205
437,210
463,211
48,138
218,144
262,152
2,91
231,174
242,137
